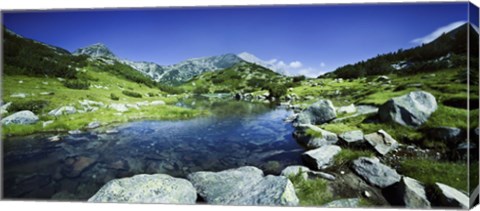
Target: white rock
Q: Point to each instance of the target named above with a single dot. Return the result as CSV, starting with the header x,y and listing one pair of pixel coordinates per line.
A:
x,y
21,117
45,123
118,107
19,95
347,109
157,102
63,110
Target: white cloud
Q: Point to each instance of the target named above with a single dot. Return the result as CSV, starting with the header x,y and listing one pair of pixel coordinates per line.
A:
x,y
322,64
439,31
295,64
292,68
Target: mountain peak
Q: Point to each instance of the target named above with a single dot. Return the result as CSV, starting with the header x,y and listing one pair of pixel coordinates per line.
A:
x,y
96,50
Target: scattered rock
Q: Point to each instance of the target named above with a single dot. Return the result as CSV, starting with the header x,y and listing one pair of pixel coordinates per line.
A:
x,y
414,194
294,170
347,109
351,137
118,107
93,125
19,95
322,138
322,175
157,188
47,93
157,103
375,173
367,194
22,117
75,166
412,109
447,134
382,78
343,203
244,186
62,110
46,123
4,108
291,118
451,197
381,141
144,103
318,113
322,157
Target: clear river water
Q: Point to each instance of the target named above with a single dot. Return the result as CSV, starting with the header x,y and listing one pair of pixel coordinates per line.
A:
x,y
74,168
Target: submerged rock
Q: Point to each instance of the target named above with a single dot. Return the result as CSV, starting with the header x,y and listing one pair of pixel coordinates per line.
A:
x,y
381,141
157,188
451,197
322,157
318,113
375,173
244,186
412,109
22,117
75,166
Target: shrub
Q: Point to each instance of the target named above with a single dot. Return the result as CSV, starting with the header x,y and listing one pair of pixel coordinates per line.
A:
x,y
201,90
298,78
151,94
35,106
132,94
114,97
76,84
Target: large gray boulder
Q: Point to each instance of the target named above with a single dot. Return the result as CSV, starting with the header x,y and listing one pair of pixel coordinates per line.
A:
x,y
451,197
22,118
244,186
381,141
412,109
414,195
318,113
375,173
322,157
156,188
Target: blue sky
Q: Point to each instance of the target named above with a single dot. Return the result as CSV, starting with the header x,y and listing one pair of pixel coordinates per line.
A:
x,y
304,39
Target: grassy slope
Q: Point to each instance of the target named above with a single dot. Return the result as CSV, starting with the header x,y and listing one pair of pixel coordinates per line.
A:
x,y
443,86
63,96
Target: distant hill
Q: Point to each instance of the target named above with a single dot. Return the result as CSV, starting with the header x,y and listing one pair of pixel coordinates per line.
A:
x,y
447,51
30,57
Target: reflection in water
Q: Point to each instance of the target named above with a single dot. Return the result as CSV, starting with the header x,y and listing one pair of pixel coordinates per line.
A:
x,y
76,167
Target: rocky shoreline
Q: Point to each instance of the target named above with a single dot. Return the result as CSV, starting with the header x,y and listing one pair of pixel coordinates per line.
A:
x,y
362,178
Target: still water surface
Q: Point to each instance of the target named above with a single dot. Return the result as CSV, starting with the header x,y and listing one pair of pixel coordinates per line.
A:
x,y
74,168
